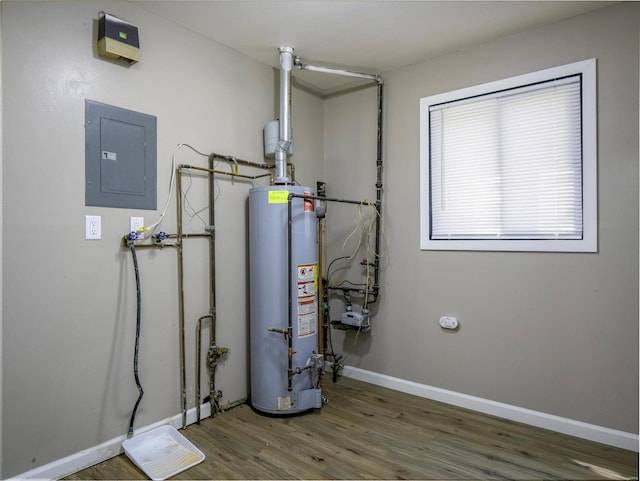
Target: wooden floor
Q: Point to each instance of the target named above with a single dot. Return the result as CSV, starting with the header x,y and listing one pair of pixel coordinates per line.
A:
x,y
369,432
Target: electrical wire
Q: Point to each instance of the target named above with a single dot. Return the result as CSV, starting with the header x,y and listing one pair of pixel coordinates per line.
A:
x,y
188,208
355,230
172,184
364,225
137,348
377,256
331,263
354,284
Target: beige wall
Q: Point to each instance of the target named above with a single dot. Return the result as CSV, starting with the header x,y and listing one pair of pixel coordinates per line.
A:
x,y
551,332
556,333
69,311
1,227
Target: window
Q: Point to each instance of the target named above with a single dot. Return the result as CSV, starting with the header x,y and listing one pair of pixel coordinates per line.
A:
x,y
511,165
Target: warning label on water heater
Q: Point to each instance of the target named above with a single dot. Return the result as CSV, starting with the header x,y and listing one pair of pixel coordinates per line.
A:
x,y
307,319
307,279
278,196
308,203
307,304
284,403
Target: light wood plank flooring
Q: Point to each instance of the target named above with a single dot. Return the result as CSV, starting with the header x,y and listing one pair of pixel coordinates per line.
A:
x,y
369,432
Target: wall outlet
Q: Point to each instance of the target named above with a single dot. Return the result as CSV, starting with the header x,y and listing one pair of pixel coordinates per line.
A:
x,y
135,223
92,227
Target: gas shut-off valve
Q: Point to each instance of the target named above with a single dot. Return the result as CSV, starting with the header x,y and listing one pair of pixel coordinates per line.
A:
x,y
214,354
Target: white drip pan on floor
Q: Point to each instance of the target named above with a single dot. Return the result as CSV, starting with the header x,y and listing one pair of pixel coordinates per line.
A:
x,y
162,452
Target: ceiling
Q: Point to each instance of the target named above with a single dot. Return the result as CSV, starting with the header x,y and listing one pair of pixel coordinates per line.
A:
x,y
363,36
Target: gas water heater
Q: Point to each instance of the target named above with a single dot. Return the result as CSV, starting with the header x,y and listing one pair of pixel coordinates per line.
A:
x,y
285,364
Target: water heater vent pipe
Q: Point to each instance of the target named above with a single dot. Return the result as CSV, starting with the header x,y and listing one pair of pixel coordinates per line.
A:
x,y
282,150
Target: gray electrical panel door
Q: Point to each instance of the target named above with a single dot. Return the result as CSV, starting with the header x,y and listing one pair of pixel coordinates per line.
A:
x,y
120,157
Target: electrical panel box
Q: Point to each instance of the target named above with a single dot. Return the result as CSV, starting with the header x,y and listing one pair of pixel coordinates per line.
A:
x,y
120,157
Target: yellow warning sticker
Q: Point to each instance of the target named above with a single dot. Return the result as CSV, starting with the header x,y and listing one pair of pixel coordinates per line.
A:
x,y
278,196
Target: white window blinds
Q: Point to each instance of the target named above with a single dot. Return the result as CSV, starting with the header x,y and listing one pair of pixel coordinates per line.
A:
x,y
508,164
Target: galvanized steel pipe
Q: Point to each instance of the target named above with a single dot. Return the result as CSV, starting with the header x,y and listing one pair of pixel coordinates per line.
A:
x,y
286,65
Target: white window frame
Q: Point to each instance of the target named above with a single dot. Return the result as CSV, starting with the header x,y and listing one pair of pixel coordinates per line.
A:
x,y
589,241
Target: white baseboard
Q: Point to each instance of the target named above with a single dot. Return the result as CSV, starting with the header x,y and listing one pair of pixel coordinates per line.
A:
x,y
559,424
96,454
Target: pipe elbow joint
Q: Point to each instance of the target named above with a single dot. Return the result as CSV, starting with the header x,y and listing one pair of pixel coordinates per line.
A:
x,y
283,146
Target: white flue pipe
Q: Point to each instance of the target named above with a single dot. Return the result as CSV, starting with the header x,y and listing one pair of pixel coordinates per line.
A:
x,y
282,150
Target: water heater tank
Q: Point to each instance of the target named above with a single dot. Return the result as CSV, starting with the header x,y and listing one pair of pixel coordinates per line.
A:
x,y
271,305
